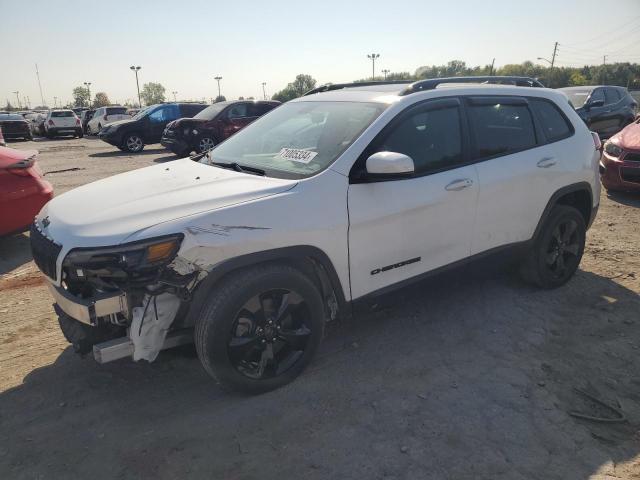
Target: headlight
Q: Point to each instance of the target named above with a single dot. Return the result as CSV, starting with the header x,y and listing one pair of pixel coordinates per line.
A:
x,y
612,149
137,255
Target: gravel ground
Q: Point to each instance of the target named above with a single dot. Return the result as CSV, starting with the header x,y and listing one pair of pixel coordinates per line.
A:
x,y
470,375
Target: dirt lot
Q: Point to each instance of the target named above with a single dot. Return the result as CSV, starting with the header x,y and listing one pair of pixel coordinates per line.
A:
x,y
470,375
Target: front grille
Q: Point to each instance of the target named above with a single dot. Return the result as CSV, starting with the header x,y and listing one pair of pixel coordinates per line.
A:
x,y
630,174
45,252
632,157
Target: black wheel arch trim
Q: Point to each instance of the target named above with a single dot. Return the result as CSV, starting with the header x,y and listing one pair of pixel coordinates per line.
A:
x,y
292,254
576,187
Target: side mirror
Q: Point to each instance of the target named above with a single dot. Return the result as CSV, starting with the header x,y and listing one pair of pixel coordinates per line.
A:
x,y
596,103
389,164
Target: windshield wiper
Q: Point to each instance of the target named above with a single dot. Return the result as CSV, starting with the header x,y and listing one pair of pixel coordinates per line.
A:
x,y
240,168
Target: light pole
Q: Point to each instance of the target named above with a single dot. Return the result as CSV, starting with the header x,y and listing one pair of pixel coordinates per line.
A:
x,y
88,85
135,69
174,96
55,102
373,57
264,92
385,72
218,78
18,97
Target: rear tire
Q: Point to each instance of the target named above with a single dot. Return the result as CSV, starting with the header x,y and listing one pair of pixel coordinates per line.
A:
x,y
556,253
79,133
260,348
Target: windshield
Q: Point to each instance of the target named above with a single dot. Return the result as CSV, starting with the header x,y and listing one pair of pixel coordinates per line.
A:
x,y
577,97
298,139
211,111
143,112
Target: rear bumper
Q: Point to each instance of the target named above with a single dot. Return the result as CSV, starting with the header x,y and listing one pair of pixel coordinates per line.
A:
x,y
88,310
64,130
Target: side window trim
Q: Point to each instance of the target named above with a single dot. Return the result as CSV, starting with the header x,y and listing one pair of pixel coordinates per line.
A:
x,y
356,174
505,100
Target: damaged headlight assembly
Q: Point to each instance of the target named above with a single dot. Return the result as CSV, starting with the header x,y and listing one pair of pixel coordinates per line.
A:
x,y
140,255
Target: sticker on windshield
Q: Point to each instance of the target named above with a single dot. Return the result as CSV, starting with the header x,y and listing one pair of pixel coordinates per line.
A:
x,y
296,155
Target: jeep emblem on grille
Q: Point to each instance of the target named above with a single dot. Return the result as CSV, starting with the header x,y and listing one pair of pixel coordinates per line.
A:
x,y
45,222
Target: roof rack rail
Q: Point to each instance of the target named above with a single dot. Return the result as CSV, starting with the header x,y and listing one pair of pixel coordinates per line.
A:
x,y
327,87
431,83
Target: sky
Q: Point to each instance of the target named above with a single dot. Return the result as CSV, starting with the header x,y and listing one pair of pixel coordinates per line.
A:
x,y
184,44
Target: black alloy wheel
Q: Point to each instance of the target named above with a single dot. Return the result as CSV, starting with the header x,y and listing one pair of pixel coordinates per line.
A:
x,y
269,334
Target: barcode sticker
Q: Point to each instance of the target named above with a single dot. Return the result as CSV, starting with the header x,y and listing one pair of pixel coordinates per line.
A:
x,y
296,155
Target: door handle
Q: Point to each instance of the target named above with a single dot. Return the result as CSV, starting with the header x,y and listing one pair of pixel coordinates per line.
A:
x,y
546,162
459,184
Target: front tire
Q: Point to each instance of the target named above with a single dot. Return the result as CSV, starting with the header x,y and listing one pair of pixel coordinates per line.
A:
x,y
260,328
557,251
205,143
133,143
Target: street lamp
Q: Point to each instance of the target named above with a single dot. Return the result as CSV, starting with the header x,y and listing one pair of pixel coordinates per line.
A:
x,y
174,96
88,85
218,78
385,71
135,69
264,93
18,97
373,57
548,61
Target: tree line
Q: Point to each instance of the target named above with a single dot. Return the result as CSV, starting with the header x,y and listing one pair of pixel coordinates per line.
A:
x,y
621,74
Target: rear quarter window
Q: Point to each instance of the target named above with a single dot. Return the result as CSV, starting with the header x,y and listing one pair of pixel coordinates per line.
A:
x,y
552,122
500,129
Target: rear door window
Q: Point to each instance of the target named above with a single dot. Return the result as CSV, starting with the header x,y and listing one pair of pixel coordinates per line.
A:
x,y
116,111
499,127
553,123
611,96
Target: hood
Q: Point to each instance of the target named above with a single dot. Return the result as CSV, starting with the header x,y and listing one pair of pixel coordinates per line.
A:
x,y
629,137
109,211
121,122
186,121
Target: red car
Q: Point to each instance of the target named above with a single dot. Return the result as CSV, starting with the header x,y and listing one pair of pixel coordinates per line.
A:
x,y
23,191
620,162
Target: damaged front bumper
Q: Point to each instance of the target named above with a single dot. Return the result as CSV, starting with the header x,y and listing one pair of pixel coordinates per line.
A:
x,y
89,310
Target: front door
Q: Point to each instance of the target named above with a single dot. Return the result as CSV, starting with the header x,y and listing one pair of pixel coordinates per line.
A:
x,y
401,228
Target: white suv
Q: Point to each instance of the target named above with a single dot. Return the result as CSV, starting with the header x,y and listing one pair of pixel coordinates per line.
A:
x,y
330,199
104,116
61,122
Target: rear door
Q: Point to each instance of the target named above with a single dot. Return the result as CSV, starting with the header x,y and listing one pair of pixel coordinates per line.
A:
x,y
518,169
401,228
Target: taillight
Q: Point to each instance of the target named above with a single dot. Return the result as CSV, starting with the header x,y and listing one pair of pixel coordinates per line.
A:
x,y
50,122
77,121
596,141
